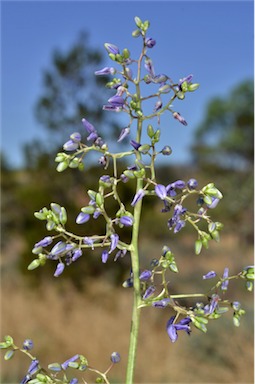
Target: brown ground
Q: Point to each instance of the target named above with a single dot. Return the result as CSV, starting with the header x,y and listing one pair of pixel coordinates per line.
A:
x,y
63,322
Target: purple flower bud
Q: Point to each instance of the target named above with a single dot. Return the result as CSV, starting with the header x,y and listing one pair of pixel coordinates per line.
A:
x,y
34,366
178,209
72,359
166,151
135,144
89,127
60,268
76,137
113,108
172,333
209,275
192,184
58,248
82,218
106,71
120,253
74,381
28,344
179,225
114,241
236,305
181,119
185,79
70,145
76,254
138,196
224,285
149,42
96,214
213,304
126,220
158,105
111,48
145,275
115,357
160,79
161,191
149,67
116,101
180,184
161,303
149,291
124,132
214,203
92,136
44,242
89,241
102,161
104,256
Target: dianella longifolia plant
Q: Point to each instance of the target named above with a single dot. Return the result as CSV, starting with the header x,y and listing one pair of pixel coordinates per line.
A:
x,y
135,83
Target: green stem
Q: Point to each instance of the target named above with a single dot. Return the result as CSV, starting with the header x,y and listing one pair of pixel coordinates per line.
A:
x,y
137,294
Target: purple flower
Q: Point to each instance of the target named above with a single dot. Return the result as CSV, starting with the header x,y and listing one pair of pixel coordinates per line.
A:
x,y
106,71
44,242
113,108
82,218
126,220
28,344
124,132
172,327
179,225
224,284
60,268
161,303
209,309
209,275
145,275
185,79
179,184
192,184
116,101
111,48
135,144
161,191
72,359
180,118
114,241
120,253
158,105
104,256
149,42
115,357
138,196
74,381
149,291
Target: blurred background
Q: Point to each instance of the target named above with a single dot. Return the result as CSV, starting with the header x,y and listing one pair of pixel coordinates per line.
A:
x,y
50,51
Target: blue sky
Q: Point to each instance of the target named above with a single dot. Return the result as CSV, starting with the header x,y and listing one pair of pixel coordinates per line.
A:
x,y
213,40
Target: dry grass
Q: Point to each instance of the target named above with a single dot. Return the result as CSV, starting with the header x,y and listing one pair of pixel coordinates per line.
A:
x,y
63,322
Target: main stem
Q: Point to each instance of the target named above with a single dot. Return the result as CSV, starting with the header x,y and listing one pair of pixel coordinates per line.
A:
x,y
137,296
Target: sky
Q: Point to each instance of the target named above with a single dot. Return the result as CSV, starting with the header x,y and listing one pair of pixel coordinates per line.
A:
x,y
213,40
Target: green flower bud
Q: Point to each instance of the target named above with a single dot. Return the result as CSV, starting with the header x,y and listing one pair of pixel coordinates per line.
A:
x,y
180,95
129,174
34,264
112,56
63,216
249,286
74,163
73,364
42,378
8,355
199,325
99,200
89,209
140,173
126,53
198,246
55,367
144,148
138,21
136,33
173,267
145,25
165,88
236,321
192,87
216,236
61,156
150,131
62,166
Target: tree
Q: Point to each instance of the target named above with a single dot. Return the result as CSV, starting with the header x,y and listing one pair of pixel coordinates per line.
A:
x,y
224,149
225,137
